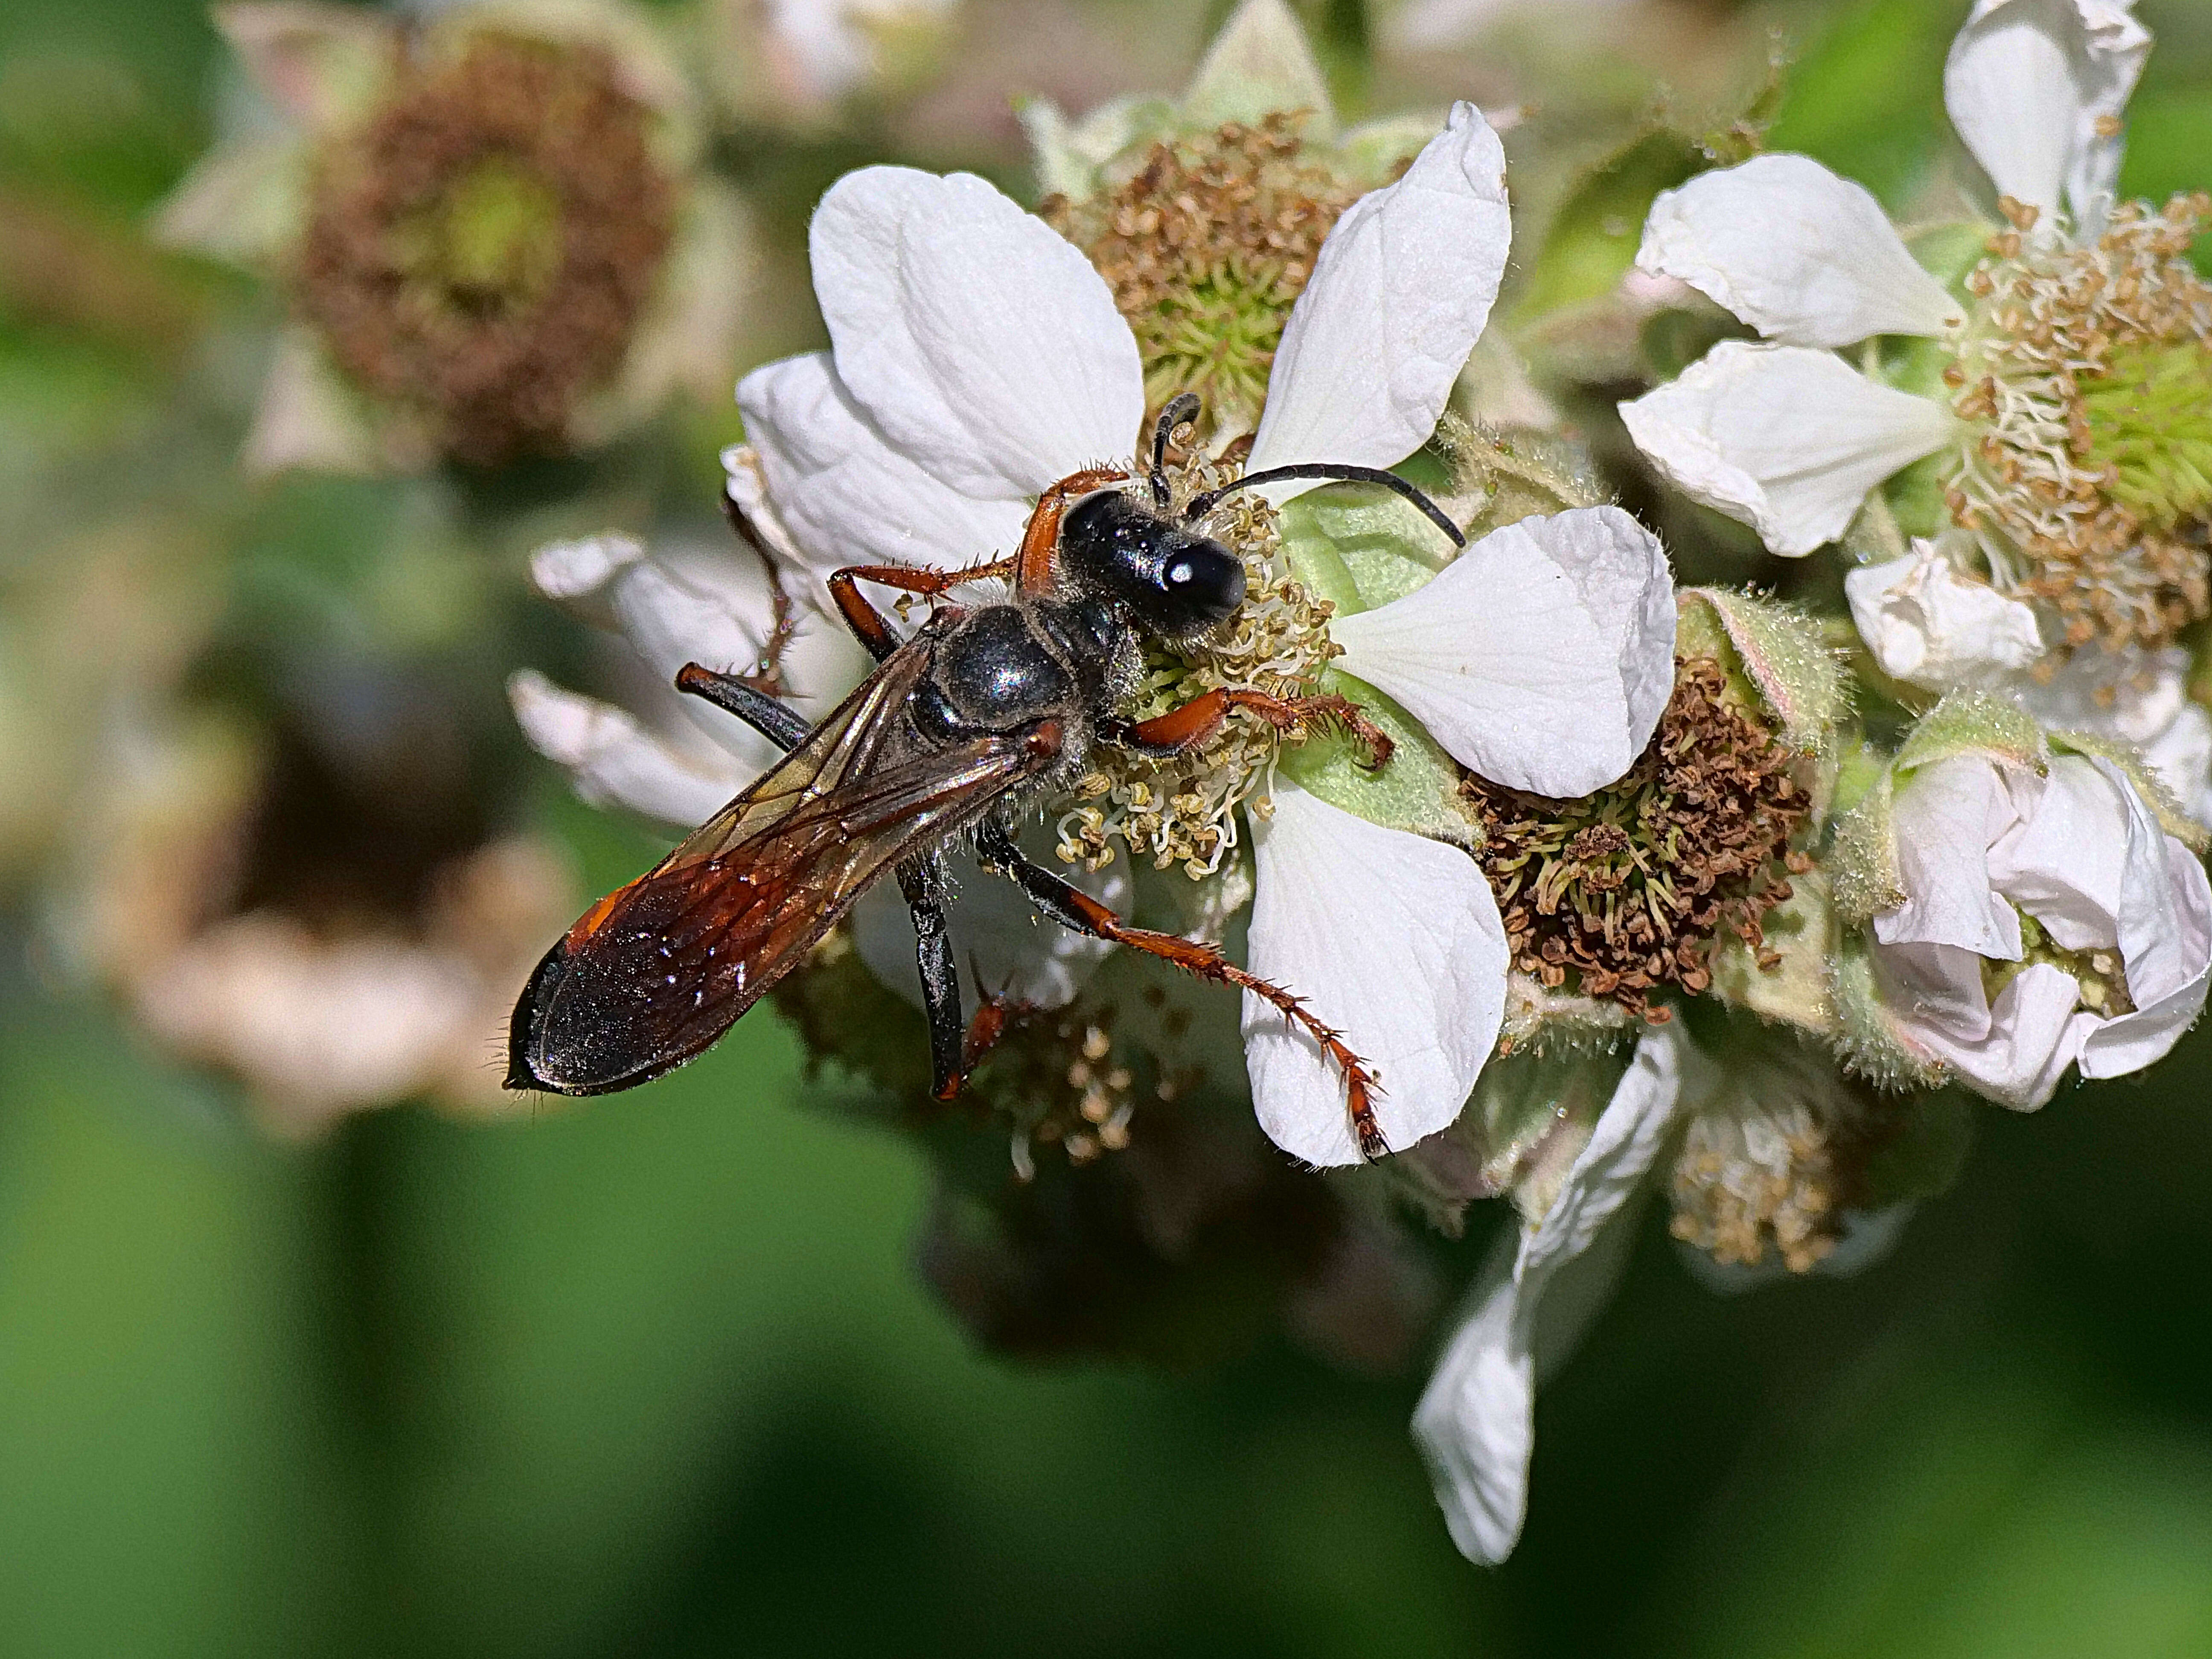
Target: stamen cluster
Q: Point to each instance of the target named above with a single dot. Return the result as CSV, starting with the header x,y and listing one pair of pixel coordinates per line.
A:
x,y
1183,810
2085,376
1626,888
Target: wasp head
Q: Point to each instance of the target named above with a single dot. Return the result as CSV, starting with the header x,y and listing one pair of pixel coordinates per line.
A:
x,y
1173,581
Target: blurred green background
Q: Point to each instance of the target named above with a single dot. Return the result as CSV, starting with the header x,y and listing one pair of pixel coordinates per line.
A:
x,y
655,1376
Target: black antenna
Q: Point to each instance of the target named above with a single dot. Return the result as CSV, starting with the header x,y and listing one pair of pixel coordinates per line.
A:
x,y
1183,406
1343,471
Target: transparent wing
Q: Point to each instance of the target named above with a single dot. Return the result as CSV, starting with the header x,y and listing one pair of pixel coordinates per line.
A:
x,y
654,973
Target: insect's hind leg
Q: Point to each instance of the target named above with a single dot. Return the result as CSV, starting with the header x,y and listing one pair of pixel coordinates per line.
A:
x,y
778,722
922,883
1070,906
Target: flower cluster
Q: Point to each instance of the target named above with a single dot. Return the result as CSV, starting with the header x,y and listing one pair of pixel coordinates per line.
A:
x,y
1686,894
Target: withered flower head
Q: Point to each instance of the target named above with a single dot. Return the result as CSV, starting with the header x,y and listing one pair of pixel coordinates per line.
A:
x,y
1627,887
481,251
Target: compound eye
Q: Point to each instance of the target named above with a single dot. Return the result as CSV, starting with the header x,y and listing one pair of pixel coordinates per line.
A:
x,y
1205,580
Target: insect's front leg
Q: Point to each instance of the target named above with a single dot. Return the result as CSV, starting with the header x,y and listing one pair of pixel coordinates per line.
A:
x,y
1070,906
1182,729
870,626
1041,538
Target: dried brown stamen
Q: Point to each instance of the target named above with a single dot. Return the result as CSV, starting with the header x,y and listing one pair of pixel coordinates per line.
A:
x,y
481,251
1625,889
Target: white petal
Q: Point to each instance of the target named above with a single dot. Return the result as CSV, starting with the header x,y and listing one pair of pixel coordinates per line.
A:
x,y
1804,257
2068,863
2016,1052
2181,756
1930,626
576,573
2028,84
1399,293
1946,818
1787,440
845,495
1395,941
1541,657
616,762
978,340
999,944
2166,942
1475,1424
687,603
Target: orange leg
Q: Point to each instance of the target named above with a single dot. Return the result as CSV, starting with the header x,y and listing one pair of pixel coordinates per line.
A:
x,y
1033,563
868,624
1196,721
990,1024
1073,908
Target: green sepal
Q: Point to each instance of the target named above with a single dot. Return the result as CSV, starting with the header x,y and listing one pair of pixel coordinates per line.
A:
x,y
1862,870
1801,931
1865,1039
1358,546
1416,790
1259,64
1968,722
1777,657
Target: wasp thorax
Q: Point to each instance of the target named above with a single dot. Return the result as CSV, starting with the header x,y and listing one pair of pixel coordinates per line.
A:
x,y
1273,638
1624,890
481,250
2083,377
1206,244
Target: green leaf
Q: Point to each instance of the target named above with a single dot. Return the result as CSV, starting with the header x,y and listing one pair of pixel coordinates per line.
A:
x,y
1867,98
1593,239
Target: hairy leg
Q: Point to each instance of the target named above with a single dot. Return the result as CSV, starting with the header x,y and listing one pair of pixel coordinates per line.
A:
x,y
1070,906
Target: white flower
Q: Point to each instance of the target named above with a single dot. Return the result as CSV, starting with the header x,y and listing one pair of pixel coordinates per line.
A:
x,y
2116,966
976,358
1785,435
1476,1420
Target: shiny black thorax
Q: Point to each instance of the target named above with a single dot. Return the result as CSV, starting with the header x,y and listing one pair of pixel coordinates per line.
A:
x,y
1126,572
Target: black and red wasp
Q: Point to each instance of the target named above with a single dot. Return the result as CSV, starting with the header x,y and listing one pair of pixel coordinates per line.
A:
x,y
982,708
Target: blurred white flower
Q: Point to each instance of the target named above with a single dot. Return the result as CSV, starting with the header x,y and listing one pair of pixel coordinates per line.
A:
x,y
492,220
796,60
